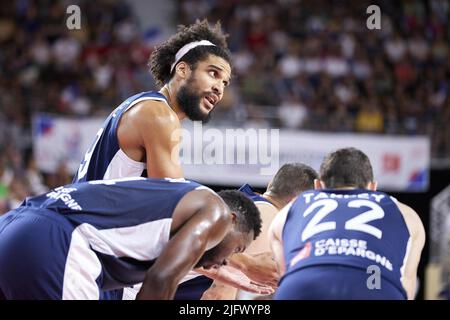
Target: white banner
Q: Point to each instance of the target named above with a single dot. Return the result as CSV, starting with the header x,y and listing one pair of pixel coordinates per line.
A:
x,y
399,163
233,156
59,139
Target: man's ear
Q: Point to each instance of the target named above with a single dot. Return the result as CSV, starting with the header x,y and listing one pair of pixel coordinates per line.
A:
x,y
183,70
372,186
233,217
318,184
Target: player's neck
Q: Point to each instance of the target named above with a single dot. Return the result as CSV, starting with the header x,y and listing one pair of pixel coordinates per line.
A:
x,y
168,92
277,203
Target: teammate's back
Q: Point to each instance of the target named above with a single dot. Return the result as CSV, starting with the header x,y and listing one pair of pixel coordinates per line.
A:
x,y
357,228
329,242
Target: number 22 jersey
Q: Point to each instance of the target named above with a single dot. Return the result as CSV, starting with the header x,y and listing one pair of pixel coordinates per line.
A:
x,y
356,228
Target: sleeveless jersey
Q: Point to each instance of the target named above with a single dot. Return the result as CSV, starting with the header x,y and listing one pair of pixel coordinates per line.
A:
x,y
126,222
105,159
249,192
357,228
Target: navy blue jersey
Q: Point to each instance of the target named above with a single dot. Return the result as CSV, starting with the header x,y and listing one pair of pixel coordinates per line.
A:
x,y
249,192
105,159
125,222
356,228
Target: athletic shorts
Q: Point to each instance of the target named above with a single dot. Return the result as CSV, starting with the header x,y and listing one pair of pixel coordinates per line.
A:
x,y
34,247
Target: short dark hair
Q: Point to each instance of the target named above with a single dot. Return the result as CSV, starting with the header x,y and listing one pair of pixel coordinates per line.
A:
x,y
164,55
347,167
292,179
248,216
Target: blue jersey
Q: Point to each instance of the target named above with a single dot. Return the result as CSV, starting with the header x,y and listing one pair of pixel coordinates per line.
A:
x,y
356,228
249,192
114,229
105,159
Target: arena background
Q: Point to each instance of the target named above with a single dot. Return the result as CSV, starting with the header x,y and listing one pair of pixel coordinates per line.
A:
x,y
304,67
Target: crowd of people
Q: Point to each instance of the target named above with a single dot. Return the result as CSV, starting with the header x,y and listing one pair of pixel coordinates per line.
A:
x,y
316,66
297,65
48,68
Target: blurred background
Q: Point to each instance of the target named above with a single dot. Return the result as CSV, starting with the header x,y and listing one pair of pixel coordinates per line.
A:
x,y
304,67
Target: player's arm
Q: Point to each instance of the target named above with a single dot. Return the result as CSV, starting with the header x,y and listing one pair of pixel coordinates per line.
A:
x,y
260,268
160,135
276,240
202,231
417,234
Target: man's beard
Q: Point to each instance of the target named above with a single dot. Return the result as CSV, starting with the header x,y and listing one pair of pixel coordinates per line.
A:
x,y
189,102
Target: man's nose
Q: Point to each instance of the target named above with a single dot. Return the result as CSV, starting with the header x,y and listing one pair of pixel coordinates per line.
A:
x,y
218,89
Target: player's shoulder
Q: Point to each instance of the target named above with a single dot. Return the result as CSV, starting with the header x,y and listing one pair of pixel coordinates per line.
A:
x,y
406,210
266,207
154,107
412,219
154,112
207,196
202,198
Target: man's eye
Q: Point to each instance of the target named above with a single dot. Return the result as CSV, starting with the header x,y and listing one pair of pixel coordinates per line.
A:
x,y
213,73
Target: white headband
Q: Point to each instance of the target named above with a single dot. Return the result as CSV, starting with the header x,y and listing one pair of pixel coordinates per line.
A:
x,y
186,48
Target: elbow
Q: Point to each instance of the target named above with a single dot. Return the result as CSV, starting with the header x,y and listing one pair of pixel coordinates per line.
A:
x,y
157,286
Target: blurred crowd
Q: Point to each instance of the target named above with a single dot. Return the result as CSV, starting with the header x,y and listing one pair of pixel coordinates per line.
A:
x,y
45,67
310,65
315,65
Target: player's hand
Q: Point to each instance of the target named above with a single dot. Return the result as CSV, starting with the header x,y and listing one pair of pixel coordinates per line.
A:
x,y
219,291
236,278
261,268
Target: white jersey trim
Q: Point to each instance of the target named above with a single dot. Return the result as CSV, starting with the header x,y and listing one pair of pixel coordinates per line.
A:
x,y
205,188
405,259
81,270
141,242
143,99
123,166
264,202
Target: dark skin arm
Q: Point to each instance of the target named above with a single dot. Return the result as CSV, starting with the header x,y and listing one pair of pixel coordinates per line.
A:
x,y
201,220
151,132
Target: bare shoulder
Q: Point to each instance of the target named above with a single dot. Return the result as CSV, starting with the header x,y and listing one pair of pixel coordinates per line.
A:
x,y
266,209
277,225
202,204
202,197
412,219
156,113
209,196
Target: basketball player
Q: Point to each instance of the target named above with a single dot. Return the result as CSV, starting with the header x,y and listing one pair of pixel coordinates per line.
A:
x,y
80,239
141,137
193,68
346,240
290,180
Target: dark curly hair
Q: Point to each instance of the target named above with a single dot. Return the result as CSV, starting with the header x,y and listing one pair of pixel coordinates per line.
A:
x,y
247,214
164,55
